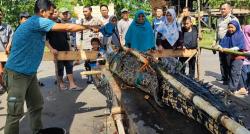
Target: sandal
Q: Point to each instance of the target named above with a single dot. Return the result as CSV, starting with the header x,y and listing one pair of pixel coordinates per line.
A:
x,y
63,87
75,88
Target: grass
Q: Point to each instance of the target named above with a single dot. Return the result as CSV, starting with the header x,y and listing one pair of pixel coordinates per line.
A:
x,y
207,37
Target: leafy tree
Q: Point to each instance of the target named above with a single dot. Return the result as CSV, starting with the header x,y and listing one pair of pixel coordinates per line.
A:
x,y
12,8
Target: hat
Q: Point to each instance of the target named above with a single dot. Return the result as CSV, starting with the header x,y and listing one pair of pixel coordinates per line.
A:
x,y
124,10
24,14
63,10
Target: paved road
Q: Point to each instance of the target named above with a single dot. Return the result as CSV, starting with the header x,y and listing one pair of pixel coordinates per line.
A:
x,y
78,111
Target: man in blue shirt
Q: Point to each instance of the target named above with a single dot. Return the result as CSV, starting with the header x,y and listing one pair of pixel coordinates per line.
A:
x,y
26,54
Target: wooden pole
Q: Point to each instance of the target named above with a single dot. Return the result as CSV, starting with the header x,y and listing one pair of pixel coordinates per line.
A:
x,y
178,7
199,27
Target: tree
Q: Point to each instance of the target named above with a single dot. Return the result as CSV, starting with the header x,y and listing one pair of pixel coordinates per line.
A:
x,y
12,8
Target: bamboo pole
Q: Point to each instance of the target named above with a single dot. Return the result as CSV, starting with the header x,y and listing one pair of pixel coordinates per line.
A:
x,y
227,51
202,104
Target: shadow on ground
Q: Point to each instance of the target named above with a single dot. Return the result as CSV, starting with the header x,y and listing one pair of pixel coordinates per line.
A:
x,y
60,107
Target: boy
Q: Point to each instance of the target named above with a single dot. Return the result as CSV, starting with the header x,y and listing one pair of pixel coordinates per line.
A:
x,y
95,43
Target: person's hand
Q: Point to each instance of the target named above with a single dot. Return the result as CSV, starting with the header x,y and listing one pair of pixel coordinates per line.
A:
x,y
54,51
7,50
95,29
160,48
214,44
222,49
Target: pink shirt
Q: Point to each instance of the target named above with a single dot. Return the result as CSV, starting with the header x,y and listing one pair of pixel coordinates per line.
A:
x,y
246,32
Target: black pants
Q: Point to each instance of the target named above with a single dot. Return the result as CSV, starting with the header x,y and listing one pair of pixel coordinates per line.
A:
x,y
224,65
191,64
68,67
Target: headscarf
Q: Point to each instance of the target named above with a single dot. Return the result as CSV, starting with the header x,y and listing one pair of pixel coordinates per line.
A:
x,y
110,33
233,39
140,35
108,29
246,32
170,31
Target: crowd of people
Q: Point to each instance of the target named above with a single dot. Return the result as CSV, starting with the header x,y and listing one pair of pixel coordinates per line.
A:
x,y
231,36
61,31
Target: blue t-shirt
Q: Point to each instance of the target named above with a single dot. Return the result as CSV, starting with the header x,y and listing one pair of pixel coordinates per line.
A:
x,y
28,45
157,22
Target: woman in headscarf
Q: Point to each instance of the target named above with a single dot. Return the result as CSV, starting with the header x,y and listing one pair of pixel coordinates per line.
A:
x,y
110,33
234,40
246,63
140,34
169,33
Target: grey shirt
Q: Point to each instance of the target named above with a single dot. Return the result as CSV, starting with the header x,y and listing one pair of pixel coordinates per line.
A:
x,y
6,33
222,24
123,28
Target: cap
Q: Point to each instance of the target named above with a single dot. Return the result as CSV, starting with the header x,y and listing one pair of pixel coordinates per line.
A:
x,y
24,14
124,10
63,10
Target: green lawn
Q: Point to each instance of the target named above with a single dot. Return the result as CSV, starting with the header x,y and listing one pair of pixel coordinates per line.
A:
x,y
207,37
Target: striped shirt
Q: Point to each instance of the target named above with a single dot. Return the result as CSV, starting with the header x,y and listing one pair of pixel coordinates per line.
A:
x,y
6,33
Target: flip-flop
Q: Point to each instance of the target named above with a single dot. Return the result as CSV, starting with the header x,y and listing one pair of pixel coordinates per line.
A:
x,y
76,89
63,88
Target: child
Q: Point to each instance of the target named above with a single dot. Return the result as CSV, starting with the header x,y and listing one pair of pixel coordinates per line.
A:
x,y
233,40
190,34
95,43
246,63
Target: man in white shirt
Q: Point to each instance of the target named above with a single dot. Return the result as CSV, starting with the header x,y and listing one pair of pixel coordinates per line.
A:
x,y
105,14
124,24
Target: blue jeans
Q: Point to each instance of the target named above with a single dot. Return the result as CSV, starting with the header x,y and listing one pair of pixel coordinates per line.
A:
x,y
235,79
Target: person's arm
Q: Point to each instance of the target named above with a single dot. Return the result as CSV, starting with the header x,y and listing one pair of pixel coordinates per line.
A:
x,y
10,35
67,27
